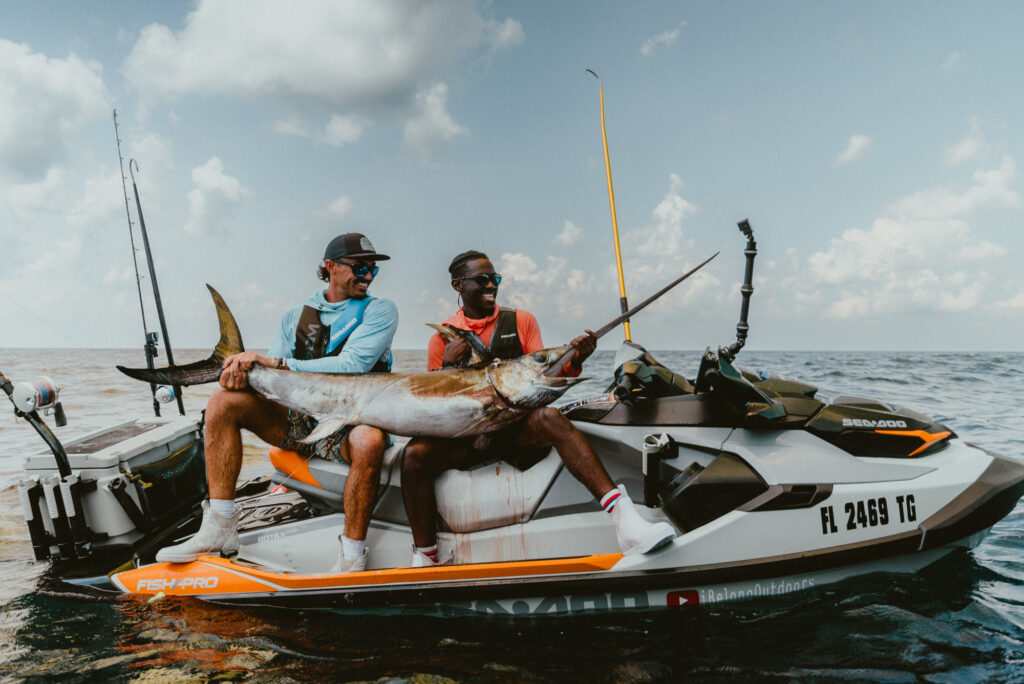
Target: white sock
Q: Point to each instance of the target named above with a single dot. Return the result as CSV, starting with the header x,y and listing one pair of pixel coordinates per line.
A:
x,y
352,548
428,551
609,500
223,507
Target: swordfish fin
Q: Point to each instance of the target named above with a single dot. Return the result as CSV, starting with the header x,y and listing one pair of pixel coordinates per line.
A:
x,y
325,428
230,338
199,372
485,423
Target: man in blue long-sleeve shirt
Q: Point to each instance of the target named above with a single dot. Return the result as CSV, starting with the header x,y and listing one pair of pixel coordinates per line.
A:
x,y
340,329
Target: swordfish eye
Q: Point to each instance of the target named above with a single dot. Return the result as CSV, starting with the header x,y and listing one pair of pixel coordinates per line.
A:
x,y
540,357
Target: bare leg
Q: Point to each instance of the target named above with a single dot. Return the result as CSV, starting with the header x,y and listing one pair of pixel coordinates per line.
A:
x,y
548,426
227,413
366,447
423,460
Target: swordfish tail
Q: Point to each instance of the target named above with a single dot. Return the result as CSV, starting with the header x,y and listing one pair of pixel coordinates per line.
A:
x,y
207,370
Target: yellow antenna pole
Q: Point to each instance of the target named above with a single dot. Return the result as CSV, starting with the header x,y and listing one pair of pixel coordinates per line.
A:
x,y
611,202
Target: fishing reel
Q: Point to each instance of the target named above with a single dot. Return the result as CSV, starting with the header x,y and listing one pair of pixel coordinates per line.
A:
x,y
41,395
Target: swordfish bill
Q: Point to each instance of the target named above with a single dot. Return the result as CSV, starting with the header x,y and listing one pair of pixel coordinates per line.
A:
x,y
451,402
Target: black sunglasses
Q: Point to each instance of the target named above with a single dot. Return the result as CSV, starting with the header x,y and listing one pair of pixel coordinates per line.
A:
x,y
482,279
359,270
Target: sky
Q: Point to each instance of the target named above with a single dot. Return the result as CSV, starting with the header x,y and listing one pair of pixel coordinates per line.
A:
x,y
873,146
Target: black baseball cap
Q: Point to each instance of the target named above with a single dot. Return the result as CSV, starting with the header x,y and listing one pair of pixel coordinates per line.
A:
x,y
352,245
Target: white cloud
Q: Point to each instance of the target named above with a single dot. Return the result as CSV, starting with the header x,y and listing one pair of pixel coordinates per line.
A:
x,y
102,200
505,34
119,275
295,127
661,251
972,148
570,236
45,101
373,59
341,130
952,62
915,257
991,190
342,53
662,241
213,197
567,295
432,126
856,147
1014,304
666,39
554,288
153,150
29,197
338,209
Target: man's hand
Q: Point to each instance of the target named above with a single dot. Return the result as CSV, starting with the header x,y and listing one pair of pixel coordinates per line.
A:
x,y
236,367
585,346
455,351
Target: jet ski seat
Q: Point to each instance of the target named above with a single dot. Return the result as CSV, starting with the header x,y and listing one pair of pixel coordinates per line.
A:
x,y
490,495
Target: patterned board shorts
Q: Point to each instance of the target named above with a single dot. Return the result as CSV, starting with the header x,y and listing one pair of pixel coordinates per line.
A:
x,y
333,447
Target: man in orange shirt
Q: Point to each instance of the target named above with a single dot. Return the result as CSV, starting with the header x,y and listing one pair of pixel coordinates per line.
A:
x,y
507,334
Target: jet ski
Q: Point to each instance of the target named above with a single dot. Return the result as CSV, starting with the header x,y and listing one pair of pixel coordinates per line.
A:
x,y
773,485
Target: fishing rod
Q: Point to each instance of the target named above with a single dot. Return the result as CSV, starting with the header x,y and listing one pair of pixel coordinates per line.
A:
x,y
156,288
623,305
149,344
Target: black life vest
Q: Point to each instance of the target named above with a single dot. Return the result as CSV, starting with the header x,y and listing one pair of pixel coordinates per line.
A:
x,y
505,342
313,339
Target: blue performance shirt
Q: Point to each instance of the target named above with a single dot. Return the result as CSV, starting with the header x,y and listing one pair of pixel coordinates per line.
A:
x,y
370,341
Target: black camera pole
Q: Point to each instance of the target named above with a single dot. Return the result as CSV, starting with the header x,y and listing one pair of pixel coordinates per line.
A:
x,y
742,327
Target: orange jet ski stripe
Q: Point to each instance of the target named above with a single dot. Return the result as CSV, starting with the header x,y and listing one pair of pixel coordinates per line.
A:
x,y
189,579
295,465
212,575
928,438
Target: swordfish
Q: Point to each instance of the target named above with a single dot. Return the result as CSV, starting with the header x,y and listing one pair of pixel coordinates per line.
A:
x,y
451,402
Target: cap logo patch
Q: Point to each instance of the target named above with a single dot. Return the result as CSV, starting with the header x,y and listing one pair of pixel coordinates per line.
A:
x,y
366,245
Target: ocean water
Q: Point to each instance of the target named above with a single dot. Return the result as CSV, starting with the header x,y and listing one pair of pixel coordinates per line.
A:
x,y
961,620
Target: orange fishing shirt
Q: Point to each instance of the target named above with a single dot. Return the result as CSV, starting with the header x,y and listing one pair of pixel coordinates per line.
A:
x,y
526,326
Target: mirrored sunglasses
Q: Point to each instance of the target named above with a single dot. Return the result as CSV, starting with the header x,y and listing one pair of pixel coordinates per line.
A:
x,y
482,279
358,269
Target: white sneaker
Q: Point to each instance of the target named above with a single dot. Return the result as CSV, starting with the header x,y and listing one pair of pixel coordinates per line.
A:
x,y
217,534
421,560
343,566
635,534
